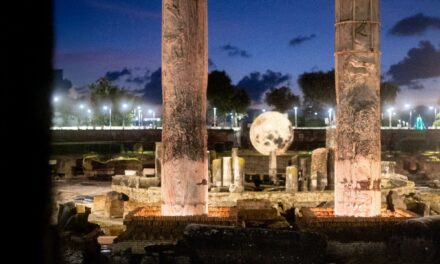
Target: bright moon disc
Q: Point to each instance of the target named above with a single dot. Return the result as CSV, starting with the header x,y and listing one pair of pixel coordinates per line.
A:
x,y
271,131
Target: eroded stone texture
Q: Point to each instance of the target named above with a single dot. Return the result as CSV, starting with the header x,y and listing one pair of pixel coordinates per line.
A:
x,y
226,171
237,172
318,171
217,172
330,142
158,152
357,161
292,179
273,167
184,82
303,175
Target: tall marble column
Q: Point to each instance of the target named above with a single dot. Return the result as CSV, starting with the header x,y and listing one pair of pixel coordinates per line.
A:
x,y
357,55
184,83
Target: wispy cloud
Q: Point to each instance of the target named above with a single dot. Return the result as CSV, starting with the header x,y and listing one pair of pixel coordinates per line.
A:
x,y
234,51
415,25
125,10
298,40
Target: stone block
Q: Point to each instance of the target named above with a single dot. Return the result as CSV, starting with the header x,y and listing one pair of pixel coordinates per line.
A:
x,y
99,203
318,174
253,204
114,206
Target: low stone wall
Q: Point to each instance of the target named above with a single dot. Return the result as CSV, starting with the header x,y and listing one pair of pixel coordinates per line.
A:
x,y
300,199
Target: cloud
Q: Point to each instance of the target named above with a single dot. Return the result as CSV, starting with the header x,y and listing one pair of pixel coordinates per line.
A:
x,y
415,25
114,75
234,51
124,10
298,40
152,91
420,63
256,83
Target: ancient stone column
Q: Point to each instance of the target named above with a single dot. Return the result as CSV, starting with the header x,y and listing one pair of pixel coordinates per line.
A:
x,y
273,167
237,172
357,54
217,172
158,152
292,178
318,169
304,180
226,171
330,142
184,82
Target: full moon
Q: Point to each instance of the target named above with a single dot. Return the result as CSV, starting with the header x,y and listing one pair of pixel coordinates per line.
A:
x,y
271,131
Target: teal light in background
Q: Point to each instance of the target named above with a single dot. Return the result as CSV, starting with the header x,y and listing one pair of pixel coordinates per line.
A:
x,y
419,123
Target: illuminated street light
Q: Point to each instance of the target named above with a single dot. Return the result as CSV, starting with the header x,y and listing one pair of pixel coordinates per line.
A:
x,y
139,116
408,106
390,113
264,110
89,112
124,111
56,99
110,114
435,115
215,116
296,115
151,112
330,117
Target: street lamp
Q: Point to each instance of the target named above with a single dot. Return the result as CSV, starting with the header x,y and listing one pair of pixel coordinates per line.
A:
x,y
264,110
330,117
110,114
390,113
153,113
124,111
215,116
139,116
435,115
296,115
408,106
89,112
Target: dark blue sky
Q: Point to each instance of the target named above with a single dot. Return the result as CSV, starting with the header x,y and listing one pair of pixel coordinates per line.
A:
x,y
287,37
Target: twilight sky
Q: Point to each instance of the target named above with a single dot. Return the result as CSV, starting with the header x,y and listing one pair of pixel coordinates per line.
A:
x,y
259,43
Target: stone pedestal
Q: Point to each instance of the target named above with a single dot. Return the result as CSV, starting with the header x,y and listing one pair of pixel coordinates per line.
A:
x,y
273,167
318,171
304,178
217,172
226,171
292,179
237,172
357,54
184,83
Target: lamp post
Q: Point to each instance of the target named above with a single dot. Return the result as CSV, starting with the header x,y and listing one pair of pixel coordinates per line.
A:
x,y
435,115
215,116
390,114
330,117
110,114
296,115
89,112
81,107
124,111
139,116
408,106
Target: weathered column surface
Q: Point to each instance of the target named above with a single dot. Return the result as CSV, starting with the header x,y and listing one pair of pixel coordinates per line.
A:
x,y
273,167
292,178
184,81
357,54
226,171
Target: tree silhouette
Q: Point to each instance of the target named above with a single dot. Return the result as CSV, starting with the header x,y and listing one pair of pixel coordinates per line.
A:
x,y
282,99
